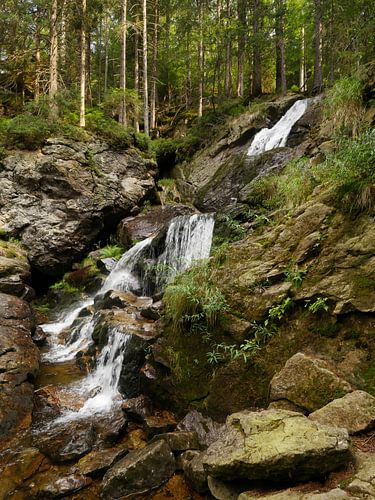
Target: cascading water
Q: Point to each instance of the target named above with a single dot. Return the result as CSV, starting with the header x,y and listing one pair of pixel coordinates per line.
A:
x,y
277,136
187,239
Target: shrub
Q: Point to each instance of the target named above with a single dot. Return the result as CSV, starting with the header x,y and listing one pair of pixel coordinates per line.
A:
x,y
27,132
112,132
112,252
193,302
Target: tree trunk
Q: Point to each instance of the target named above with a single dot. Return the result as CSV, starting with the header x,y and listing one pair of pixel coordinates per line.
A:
x,y
228,53
37,62
318,57
122,114
106,58
280,48
241,12
63,35
82,110
200,58
136,68
302,71
154,65
53,61
145,71
257,53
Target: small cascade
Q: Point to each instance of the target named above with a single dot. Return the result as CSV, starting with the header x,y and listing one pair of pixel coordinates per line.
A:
x,y
277,136
187,239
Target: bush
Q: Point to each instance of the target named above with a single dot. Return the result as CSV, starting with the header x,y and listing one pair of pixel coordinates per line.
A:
x,y
112,252
193,302
112,132
27,132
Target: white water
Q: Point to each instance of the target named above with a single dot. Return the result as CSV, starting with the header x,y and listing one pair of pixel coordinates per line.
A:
x,y
277,136
188,238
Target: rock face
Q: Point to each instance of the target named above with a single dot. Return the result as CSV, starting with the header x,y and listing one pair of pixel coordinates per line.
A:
x,y
60,200
207,430
363,483
14,270
308,383
355,412
139,472
144,225
19,363
275,445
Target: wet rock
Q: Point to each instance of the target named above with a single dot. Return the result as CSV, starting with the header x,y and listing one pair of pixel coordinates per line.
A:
x,y
335,494
39,336
150,313
109,426
275,445
138,408
223,491
308,383
191,463
159,422
363,483
144,225
355,412
139,472
122,300
54,485
106,265
179,441
19,364
17,469
67,441
208,431
97,462
58,205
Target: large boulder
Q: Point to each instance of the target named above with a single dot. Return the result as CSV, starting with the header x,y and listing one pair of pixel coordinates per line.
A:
x,y
14,270
60,200
355,412
19,363
139,472
308,383
275,445
207,430
362,484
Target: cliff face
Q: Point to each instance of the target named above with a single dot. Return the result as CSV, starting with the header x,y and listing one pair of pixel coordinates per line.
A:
x,y
58,201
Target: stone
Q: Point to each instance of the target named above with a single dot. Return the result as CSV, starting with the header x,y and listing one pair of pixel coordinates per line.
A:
x,y
180,440
335,494
161,421
363,483
19,364
18,469
308,383
58,205
144,225
106,265
355,412
65,442
191,463
139,472
97,462
223,491
275,445
138,408
56,485
208,430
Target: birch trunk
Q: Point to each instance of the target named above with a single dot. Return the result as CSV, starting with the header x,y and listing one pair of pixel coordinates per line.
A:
x,y
82,110
122,114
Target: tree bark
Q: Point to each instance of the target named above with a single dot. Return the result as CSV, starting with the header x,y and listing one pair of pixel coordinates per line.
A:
x,y
302,71
145,71
154,65
122,114
318,57
241,12
280,48
136,67
257,53
37,61
82,110
53,61
200,58
106,49
228,53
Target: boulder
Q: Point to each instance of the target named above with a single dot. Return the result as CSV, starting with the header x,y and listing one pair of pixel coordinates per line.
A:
x,y
97,462
336,494
191,463
355,412
142,226
206,429
275,445
14,271
308,383
138,408
179,441
59,201
223,491
19,364
363,482
139,472
56,485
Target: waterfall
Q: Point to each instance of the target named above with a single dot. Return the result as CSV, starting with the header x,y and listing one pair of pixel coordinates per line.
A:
x,y
187,239
276,137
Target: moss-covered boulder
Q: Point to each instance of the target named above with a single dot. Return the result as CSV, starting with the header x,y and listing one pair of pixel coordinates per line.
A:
x,y
308,383
275,445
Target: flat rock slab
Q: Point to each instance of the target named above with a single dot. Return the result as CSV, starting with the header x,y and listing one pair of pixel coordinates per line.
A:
x,y
139,472
336,494
179,441
55,485
275,445
355,412
97,462
308,383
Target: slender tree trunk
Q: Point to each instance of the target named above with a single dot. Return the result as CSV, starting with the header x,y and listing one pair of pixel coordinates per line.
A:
x,y
154,65
136,68
257,53
302,72
188,72
145,71
99,53
53,61
82,110
318,57
167,49
228,53
106,49
63,35
280,48
122,114
37,62
241,12
219,48
200,58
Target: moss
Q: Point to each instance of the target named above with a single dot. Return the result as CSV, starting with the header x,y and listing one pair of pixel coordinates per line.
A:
x,y
369,378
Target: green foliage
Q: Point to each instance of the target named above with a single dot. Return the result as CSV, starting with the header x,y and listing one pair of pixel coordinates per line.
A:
x,y
111,131
64,286
166,150
227,229
193,302
279,311
146,207
166,182
343,106
112,251
113,102
26,131
318,305
295,275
